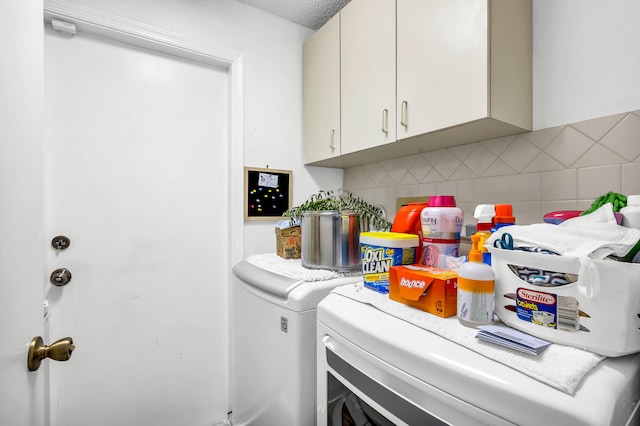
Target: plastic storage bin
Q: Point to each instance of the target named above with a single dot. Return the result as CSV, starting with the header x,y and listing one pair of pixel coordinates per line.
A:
x,y
598,312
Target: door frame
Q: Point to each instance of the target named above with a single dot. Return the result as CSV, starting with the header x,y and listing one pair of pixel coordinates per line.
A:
x,y
114,27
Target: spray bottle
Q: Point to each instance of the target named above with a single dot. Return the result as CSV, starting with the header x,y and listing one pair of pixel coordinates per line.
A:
x,y
484,214
476,289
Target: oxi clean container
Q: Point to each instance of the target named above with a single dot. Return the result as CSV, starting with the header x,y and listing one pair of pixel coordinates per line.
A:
x,y
441,226
382,250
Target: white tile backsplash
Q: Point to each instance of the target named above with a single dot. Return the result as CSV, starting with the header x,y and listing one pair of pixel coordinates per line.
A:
x,y
631,178
469,191
568,146
524,187
559,168
559,185
598,127
494,188
447,164
595,181
519,153
542,138
623,138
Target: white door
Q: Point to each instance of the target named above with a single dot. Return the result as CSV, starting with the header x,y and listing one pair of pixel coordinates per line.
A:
x,y
136,176
22,249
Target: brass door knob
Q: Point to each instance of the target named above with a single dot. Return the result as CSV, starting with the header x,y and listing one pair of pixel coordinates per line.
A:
x,y
59,351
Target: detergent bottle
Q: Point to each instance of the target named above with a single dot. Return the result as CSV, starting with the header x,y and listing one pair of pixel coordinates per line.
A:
x,y
441,225
476,289
503,217
484,215
407,221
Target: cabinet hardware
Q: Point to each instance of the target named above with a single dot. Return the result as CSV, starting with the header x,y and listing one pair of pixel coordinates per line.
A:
x,y
385,121
331,134
403,114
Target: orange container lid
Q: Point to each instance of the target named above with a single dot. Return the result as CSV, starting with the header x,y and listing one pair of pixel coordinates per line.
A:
x,y
504,214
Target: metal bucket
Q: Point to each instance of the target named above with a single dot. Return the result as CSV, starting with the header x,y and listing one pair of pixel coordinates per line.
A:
x,y
330,240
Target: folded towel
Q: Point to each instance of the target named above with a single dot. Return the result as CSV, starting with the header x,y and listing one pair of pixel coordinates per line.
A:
x,y
596,236
560,366
293,268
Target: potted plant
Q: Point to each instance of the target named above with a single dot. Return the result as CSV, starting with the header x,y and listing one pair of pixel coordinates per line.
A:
x,y
330,223
371,217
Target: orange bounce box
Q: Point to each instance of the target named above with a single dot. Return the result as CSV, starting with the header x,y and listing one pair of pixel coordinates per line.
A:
x,y
430,289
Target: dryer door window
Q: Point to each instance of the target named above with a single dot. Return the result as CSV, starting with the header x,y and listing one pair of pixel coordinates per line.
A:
x,y
347,406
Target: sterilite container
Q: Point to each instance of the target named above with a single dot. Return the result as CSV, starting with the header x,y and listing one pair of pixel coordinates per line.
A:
x,y
599,312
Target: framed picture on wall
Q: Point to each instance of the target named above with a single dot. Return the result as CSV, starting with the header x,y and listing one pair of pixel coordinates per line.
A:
x,y
267,193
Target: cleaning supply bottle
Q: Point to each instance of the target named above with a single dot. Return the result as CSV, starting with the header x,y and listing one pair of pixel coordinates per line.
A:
x,y
631,219
441,225
503,217
476,289
484,215
407,221
631,212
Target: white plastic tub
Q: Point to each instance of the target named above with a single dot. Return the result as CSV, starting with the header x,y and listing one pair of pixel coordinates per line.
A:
x,y
600,312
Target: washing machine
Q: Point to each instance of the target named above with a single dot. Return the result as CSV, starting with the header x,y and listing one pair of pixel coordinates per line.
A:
x,y
376,368
273,339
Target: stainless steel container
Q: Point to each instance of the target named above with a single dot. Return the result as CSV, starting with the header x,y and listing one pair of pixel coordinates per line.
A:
x,y
330,240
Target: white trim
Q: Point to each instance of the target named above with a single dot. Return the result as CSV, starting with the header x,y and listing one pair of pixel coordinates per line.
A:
x,y
113,27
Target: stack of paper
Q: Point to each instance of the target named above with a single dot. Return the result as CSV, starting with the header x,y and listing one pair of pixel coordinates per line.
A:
x,y
503,335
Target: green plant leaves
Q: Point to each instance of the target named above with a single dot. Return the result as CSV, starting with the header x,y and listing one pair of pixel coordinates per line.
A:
x,y
341,201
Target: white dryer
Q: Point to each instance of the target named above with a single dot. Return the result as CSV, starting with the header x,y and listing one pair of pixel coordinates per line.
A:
x,y
273,344
374,367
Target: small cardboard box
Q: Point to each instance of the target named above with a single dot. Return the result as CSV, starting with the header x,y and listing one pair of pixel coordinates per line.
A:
x,y
288,242
598,309
430,289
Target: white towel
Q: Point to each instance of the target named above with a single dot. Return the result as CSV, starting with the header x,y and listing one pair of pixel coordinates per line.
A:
x,y
293,268
560,366
595,235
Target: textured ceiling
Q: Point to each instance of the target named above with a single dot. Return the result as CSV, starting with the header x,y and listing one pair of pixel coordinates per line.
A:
x,y
308,13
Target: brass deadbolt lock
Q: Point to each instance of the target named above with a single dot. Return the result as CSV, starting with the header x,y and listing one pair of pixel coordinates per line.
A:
x,y
60,277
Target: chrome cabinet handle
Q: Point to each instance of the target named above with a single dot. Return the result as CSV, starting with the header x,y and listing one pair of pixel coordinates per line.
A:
x,y
403,114
332,132
385,121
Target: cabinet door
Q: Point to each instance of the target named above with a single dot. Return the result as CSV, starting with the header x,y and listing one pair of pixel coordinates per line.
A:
x,y
368,74
442,64
321,61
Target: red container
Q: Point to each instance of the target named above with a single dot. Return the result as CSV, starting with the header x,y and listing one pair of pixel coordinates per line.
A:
x,y
407,221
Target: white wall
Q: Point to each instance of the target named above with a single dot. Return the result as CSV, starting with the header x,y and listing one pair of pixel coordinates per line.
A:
x,y
272,49
586,60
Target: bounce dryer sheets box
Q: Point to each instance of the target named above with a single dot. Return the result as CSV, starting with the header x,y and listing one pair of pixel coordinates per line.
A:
x,y
430,289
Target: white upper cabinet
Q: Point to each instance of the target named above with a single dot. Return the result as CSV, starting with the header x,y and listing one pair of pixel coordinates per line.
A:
x,y
442,68
420,75
321,91
460,61
368,74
